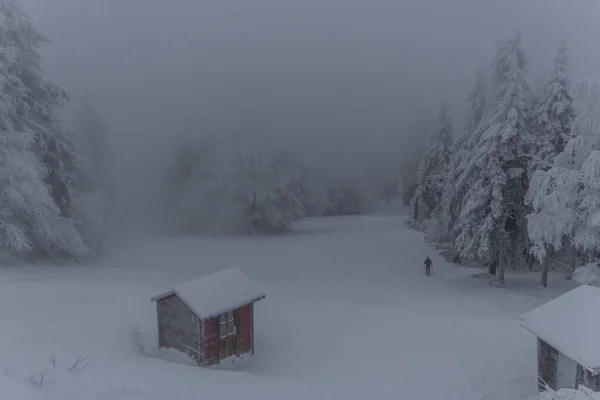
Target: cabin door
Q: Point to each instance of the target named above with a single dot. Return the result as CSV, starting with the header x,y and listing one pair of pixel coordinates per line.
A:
x,y
566,373
228,338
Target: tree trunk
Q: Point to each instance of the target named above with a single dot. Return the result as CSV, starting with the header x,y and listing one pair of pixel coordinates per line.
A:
x,y
416,212
500,276
545,265
573,257
530,261
492,267
500,271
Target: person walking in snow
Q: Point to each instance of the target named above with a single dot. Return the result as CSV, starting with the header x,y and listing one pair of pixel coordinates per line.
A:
x,y
428,266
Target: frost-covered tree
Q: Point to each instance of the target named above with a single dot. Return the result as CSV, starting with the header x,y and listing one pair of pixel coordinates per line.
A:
x,y
36,99
588,274
490,227
432,171
213,189
564,199
270,191
38,161
553,114
457,182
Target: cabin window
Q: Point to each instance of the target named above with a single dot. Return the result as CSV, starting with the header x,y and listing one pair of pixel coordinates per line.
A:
x,y
226,325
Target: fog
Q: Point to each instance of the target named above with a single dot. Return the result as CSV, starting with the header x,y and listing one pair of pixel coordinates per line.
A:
x,y
337,80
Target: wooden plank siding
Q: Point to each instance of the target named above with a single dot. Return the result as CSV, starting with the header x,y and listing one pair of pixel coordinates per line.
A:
x,y
211,341
587,379
547,365
245,329
179,327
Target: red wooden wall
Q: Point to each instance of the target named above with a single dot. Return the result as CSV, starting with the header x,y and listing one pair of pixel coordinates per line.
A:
x,y
245,333
211,341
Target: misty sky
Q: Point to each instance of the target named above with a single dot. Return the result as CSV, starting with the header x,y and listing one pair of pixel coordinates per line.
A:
x,y
340,75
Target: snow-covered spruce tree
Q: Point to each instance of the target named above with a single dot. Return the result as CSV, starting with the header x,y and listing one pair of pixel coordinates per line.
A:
x,y
457,182
269,191
37,162
432,171
553,114
491,224
564,199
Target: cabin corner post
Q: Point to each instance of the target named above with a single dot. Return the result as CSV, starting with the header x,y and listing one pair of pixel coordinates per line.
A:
x,y
237,327
217,320
160,343
540,373
200,342
252,328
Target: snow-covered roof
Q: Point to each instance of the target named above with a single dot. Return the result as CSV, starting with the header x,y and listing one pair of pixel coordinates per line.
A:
x,y
216,293
570,323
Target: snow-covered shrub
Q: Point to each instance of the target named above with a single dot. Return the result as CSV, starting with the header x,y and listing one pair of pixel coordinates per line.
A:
x,y
588,274
568,394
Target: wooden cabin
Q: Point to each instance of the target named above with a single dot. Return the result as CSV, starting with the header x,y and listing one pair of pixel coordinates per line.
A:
x,y
210,318
568,345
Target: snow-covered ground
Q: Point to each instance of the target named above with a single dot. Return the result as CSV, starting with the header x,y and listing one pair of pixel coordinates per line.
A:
x,y
349,314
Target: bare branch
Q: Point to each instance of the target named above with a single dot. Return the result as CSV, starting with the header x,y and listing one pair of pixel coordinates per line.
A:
x,y
53,360
35,380
79,364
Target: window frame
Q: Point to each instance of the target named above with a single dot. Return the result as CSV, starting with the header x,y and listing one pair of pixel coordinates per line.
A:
x,y
226,326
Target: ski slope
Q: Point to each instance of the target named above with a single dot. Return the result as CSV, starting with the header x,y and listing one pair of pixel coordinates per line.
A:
x,y
349,315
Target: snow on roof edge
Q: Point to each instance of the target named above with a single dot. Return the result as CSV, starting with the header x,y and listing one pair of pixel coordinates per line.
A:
x,y
214,314
216,293
162,295
583,363
548,333
222,310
